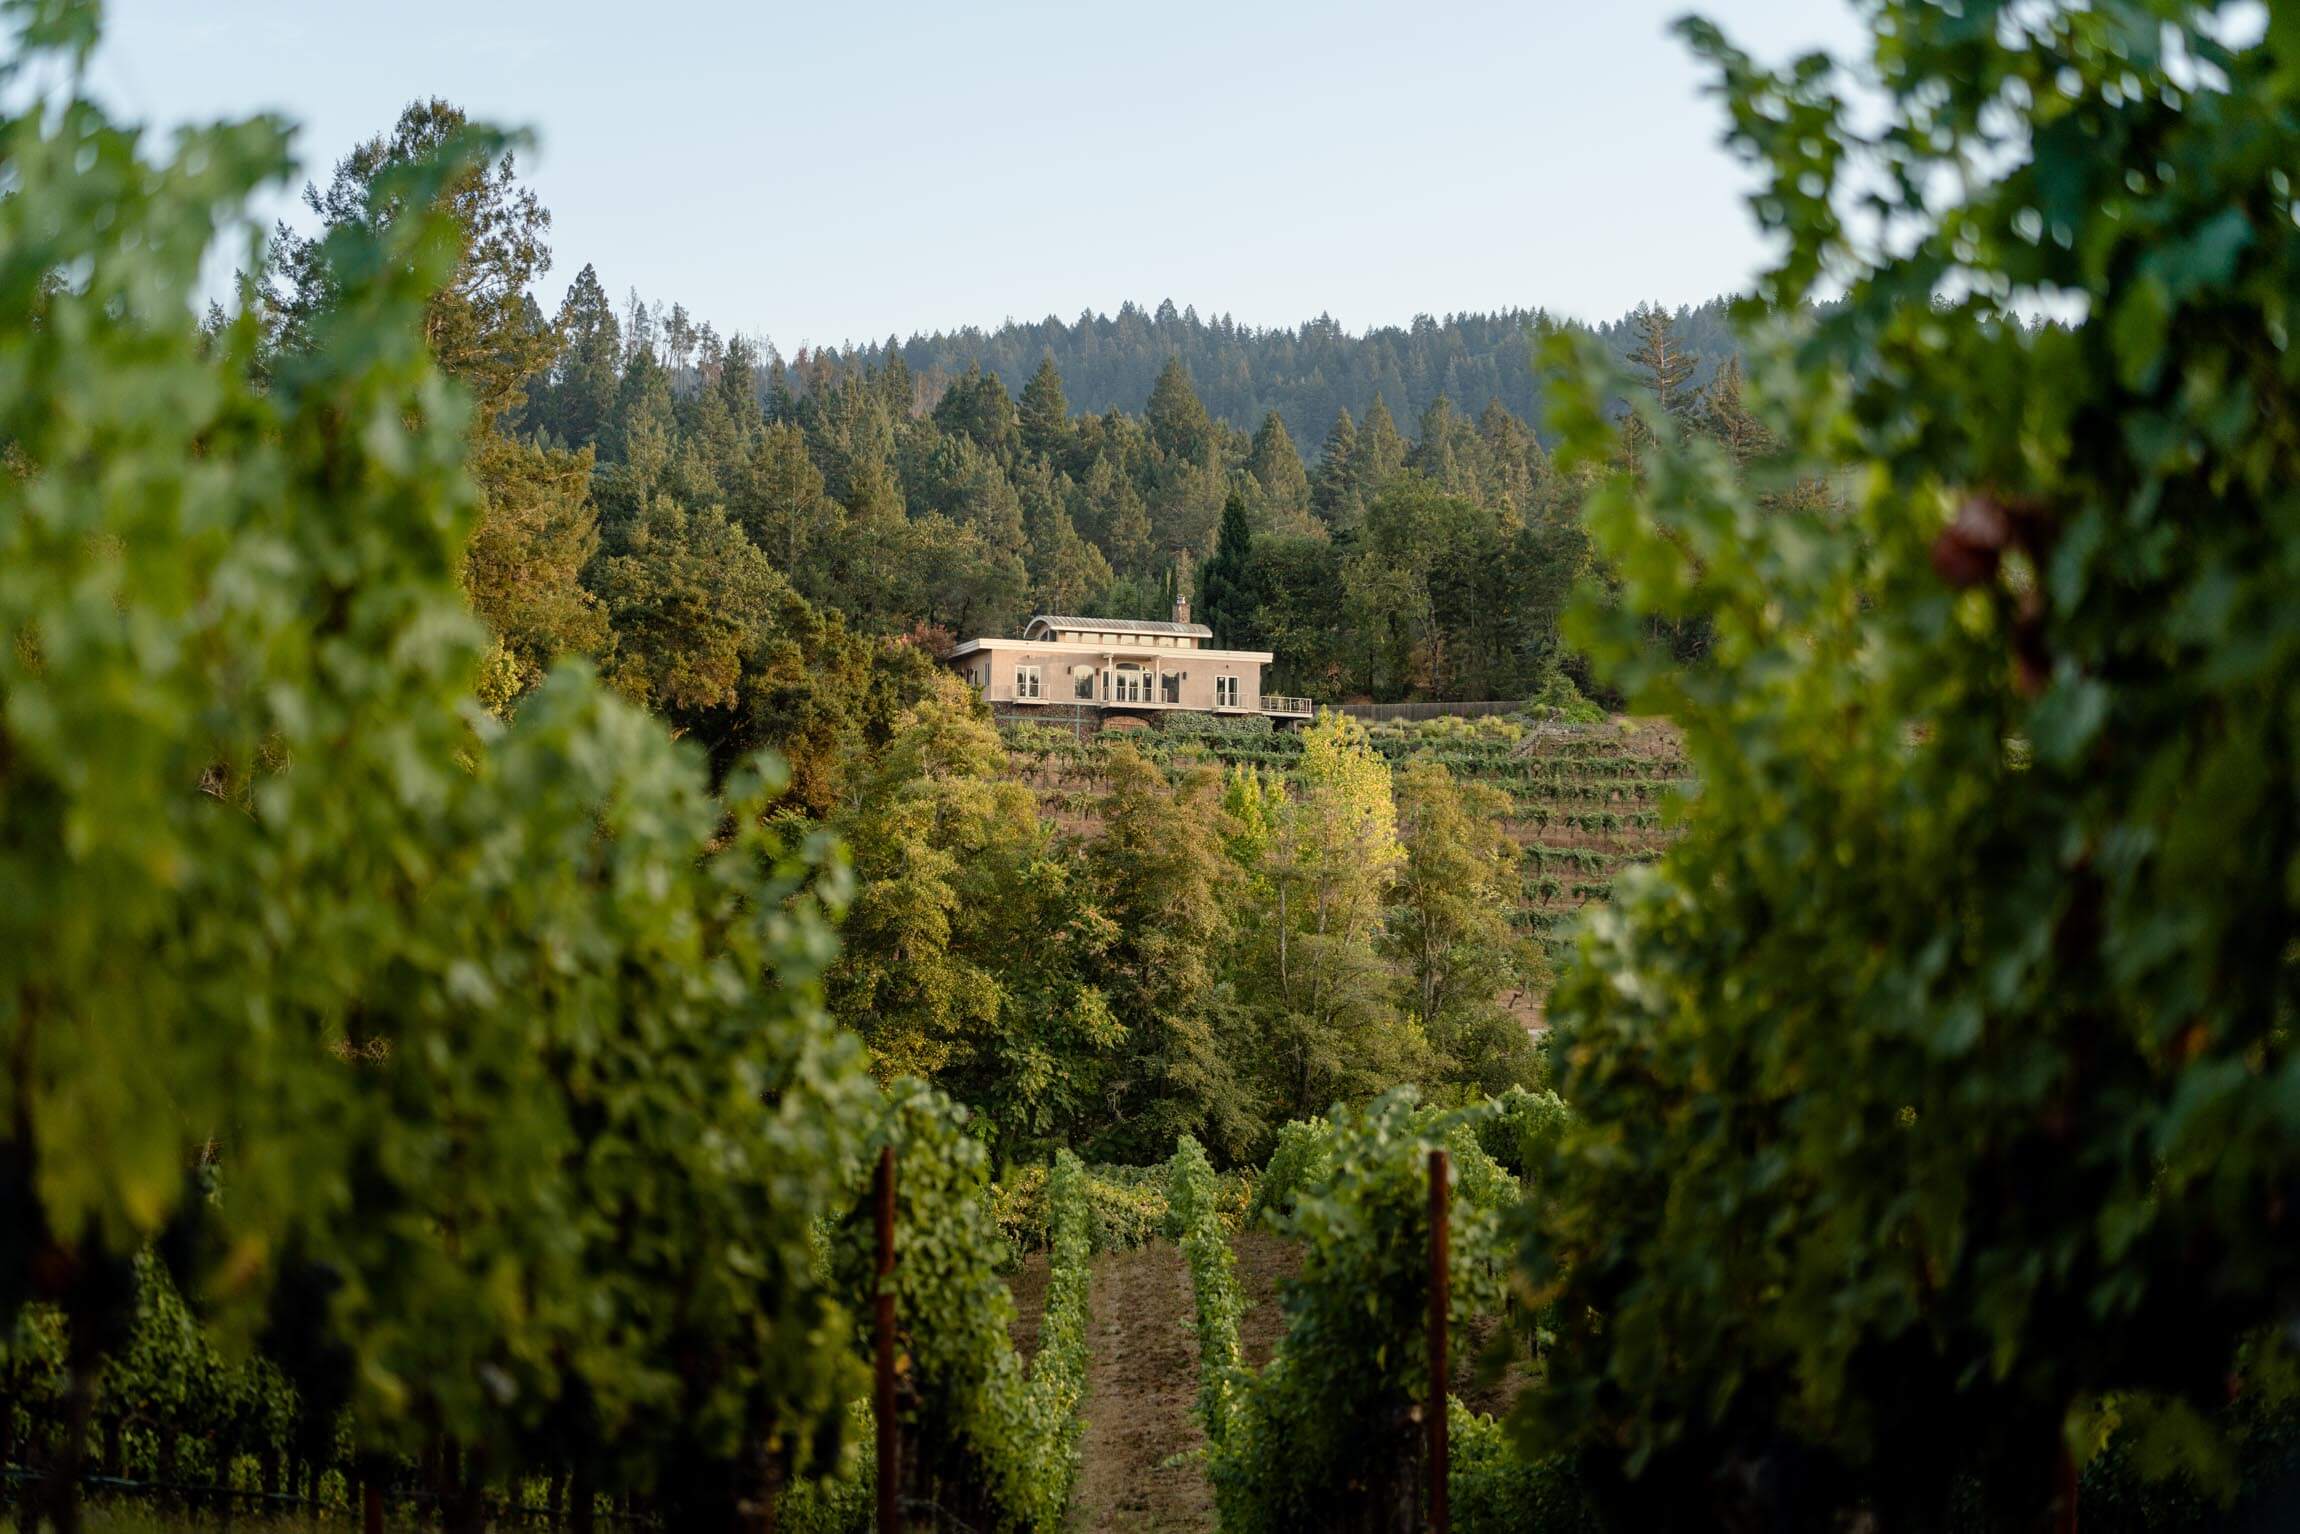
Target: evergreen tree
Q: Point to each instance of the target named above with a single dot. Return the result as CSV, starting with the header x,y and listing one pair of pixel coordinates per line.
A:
x,y
738,386
687,593
1435,452
896,384
780,503
1045,416
589,372
1069,575
1130,548
1515,463
1661,364
977,407
1177,420
523,567
476,324
1334,493
1225,582
1278,474
536,528
1726,416
1381,453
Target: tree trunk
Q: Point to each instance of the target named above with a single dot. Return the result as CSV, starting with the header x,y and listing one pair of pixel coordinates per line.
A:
x,y
465,1510
583,1500
66,1458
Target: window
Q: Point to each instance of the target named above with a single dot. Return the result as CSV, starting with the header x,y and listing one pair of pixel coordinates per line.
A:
x,y
1225,692
1026,681
1082,682
1170,687
1129,684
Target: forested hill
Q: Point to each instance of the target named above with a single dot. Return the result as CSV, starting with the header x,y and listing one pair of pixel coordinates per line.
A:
x,y
1305,373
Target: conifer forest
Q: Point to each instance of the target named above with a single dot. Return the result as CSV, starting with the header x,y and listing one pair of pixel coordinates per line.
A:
x,y
1739,971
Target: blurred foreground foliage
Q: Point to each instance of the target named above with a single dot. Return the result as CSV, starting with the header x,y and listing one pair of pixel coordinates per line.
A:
x,y
1936,1093
480,1070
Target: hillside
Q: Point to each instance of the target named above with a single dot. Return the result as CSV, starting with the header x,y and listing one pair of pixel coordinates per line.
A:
x,y
1583,801
1304,372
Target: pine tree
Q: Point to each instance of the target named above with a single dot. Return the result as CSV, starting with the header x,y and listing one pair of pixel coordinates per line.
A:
x,y
1069,574
1129,544
780,502
1226,600
976,406
1725,415
896,384
1045,415
1442,446
1663,366
476,323
738,385
1334,493
590,367
1515,463
678,339
1381,452
1277,471
1179,425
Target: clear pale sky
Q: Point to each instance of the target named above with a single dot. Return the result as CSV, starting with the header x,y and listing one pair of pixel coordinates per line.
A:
x,y
825,173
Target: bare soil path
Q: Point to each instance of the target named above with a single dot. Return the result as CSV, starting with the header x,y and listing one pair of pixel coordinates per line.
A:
x,y
1141,1471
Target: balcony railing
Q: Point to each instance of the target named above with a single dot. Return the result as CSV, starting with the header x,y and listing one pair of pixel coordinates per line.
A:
x,y
1272,703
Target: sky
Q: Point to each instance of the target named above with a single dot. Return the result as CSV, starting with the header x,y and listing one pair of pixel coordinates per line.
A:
x,y
828,173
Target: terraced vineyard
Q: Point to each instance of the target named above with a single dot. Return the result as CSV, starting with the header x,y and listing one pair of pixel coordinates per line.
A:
x,y
1585,801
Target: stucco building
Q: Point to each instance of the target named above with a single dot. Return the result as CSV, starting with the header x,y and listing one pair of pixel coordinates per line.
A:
x,y
1108,672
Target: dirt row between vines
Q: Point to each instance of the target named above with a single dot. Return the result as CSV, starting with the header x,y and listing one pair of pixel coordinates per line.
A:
x,y
1141,1470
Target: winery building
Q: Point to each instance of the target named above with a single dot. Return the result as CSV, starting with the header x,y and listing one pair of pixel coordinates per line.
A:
x,y
1108,672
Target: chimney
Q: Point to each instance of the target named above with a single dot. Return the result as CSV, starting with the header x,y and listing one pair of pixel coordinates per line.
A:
x,y
1181,608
